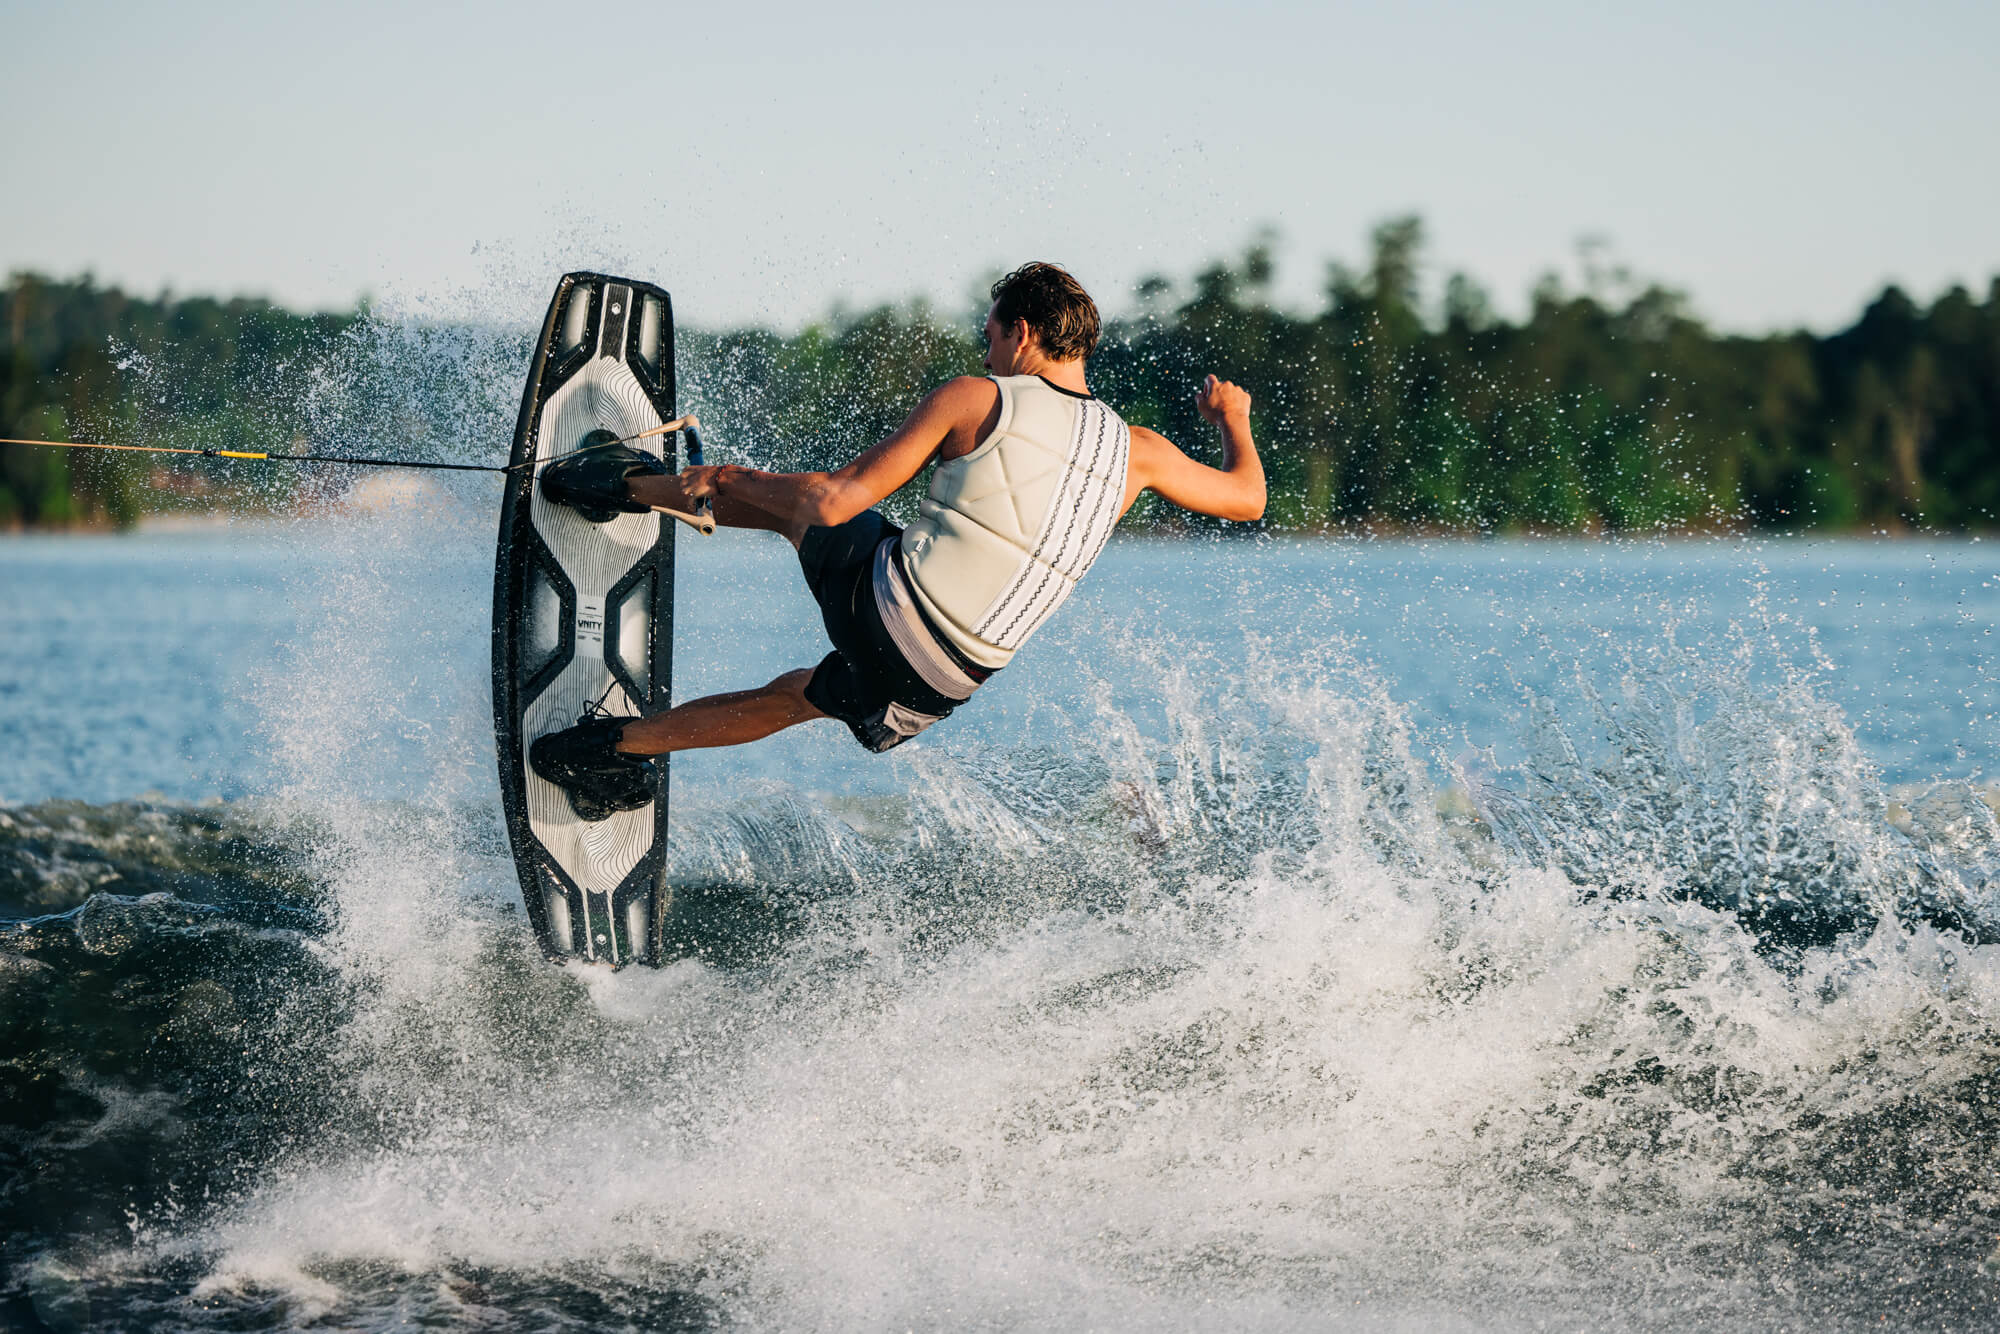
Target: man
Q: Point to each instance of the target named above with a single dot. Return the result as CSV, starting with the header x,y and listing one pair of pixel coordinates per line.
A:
x,y
1033,474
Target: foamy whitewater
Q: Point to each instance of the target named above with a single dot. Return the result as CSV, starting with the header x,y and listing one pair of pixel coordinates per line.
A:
x,y
1566,949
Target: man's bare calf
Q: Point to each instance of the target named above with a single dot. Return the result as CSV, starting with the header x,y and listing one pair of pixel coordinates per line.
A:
x,y
729,719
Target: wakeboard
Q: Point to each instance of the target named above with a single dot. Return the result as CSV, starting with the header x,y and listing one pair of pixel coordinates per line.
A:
x,y
583,616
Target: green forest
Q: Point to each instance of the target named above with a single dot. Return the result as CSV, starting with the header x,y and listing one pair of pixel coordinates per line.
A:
x,y
1610,407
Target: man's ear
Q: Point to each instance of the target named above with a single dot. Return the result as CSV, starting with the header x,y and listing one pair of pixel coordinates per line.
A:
x,y
1024,333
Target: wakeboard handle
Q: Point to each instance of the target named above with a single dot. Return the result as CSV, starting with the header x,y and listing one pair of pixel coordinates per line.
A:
x,y
703,518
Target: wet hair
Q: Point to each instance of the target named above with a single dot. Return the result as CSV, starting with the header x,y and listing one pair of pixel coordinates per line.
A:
x,y
1055,306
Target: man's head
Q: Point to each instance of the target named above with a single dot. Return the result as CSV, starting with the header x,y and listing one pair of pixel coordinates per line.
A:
x,y
1039,307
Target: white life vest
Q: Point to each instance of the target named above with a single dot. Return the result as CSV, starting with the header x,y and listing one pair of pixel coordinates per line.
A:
x,y
1008,529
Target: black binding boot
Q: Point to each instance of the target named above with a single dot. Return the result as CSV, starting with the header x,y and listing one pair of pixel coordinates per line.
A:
x,y
585,763
592,481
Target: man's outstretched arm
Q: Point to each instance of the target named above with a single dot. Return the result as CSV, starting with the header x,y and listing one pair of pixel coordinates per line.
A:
x,y
1233,491
828,498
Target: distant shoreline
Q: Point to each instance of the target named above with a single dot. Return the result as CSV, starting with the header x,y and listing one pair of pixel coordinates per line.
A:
x,y
1376,415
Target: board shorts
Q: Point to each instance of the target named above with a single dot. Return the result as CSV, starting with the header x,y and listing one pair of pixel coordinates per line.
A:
x,y
869,681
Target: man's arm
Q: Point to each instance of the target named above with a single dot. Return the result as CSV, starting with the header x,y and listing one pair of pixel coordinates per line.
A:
x,y
829,498
1233,491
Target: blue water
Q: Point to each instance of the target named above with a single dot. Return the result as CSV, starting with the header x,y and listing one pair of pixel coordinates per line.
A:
x,y
151,663
1301,935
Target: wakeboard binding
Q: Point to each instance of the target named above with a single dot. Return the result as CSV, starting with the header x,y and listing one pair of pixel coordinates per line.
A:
x,y
585,762
592,481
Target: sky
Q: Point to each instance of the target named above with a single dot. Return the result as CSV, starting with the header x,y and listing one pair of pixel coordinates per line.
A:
x,y
1778,162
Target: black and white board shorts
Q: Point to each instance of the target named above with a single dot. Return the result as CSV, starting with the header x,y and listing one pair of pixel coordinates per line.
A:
x,y
870,681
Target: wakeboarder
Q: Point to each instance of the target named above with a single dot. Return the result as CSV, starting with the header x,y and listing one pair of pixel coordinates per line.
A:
x,y
1033,474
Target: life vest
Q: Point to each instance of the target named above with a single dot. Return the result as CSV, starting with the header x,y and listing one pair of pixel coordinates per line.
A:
x,y
1007,530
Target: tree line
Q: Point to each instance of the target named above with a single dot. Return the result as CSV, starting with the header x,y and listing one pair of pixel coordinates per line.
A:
x,y
1610,406
82,362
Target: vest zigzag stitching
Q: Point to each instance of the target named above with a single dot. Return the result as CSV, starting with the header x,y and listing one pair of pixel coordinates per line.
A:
x,y
1056,564
1109,496
1106,503
1053,567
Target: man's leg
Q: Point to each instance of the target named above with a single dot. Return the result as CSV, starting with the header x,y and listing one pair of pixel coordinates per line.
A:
x,y
603,776
600,482
729,513
723,720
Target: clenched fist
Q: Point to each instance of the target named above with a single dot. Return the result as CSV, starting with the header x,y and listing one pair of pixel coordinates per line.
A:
x,y
700,480
1221,402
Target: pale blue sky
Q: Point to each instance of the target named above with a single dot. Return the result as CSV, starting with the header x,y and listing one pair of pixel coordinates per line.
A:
x,y
1779,161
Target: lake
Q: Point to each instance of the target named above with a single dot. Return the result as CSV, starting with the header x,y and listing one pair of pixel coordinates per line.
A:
x,y
1396,934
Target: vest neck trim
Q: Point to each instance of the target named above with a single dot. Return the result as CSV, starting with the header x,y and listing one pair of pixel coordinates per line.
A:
x,y
1086,397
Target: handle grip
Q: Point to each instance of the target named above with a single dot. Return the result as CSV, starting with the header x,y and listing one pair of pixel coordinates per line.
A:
x,y
703,521
705,505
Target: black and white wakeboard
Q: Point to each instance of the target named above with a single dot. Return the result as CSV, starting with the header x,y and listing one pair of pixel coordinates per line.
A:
x,y
583,615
